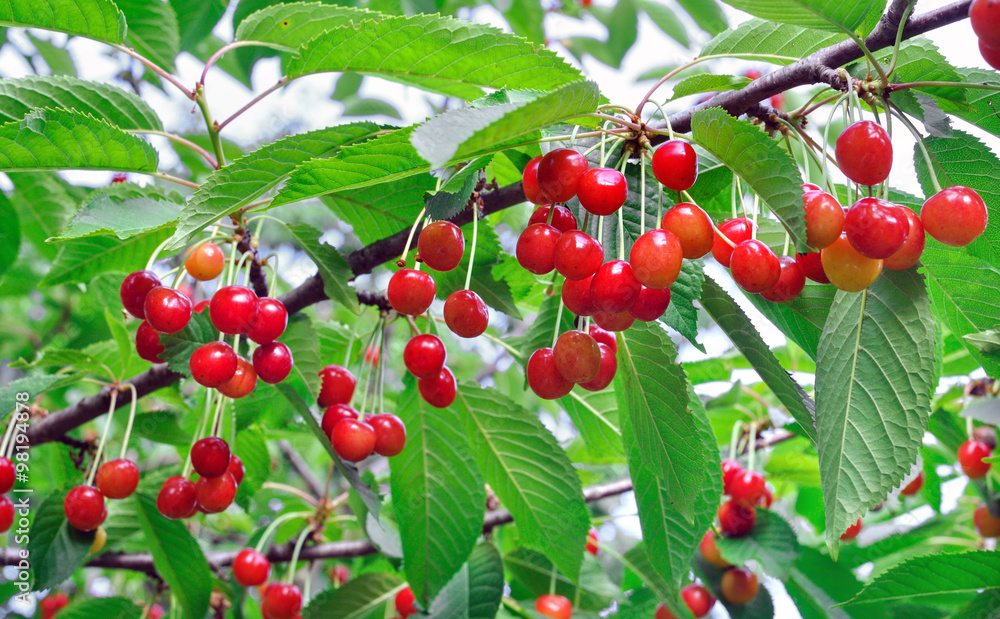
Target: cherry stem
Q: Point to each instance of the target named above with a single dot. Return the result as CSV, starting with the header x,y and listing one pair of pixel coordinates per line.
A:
x,y
788,239
920,142
899,37
155,69
621,215
413,230
11,425
969,427
104,438
723,236
367,369
156,254
202,427
280,520
354,336
253,102
510,349
173,137
555,332
217,415
179,277
613,119
753,446
475,238
290,577
734,439
871,59
811,105
895,87
642,197
827,182
274,271
174,179
552,580
131,419
212,126
239,267
221,52
302,494
666,119
659,204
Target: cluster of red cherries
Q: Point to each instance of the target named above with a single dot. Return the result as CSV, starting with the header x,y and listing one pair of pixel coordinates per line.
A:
x,y
7,478
970,457
278,600
220,473
355,437
985,18
84,505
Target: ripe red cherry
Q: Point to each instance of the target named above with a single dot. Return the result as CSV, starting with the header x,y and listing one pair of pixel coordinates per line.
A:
x,y
656,258
602,191
233,310
441,245
272,318
693,228
747,488
592,546
730,469
735,519
811,264
57,601
790,283
134,289
210,456
736,230
529,182
739,585
955,216
425,356
84,508
614,287
614,321
177,498
990,54
650,305
243,381
352,439
544,377
337,385
577,356
215,494
559,173
851,532
914,486
272,362
846,268
576,296
824,218
117,479
908,255
147,343
604,337
675,165
404,603
237,469
251,568
876,228
986,523
205,262
710,551
754,266
281,601
984,16
607,371
6,514
577,255
864,153
563,218
335,413
200,307
536,248
970,456
698,599
554,606
411,292
213,364
465,314
7,475
167,310
390,434
439,391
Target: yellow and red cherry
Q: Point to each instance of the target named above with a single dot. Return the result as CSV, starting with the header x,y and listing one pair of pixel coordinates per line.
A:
x,y
656,259
614,321
790,283
811,264
846,268
134,289
693,228
215,494
281,601
970,457
439,391
675,165
698,600
747,488
577,356
441,245
272,362
425,356
914,486
614,287
984,16
602,191
465,314
562,218
754,266
908,255
271,321
554,606
210,457
739,585
736,519
390,434
167,310
650,305
736,230
955,216
824,218
536,248
710,551
84,508
559,173
544,377
876,228
577,255
986,523
851,532
576,296
352,439
251,568
243,382
147,343
864,153
529,182
205,262
411,291
336,385
117,479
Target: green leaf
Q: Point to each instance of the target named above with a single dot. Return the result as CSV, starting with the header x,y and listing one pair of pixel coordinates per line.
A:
x,y
533,571
760,607
332,266
176,556
116,106
49,139
874,379
836,15
737,326
152,30
455,193
287,26
438,494
802,319
123,210
772,543
439,54
934,575
178,347
104,608
681,314
595,415
469,132
79,260
530,474
43,202
707,14
980,105
378,211
540,330
920,61
196,19
359,598
762,40
10,235
126,349
476,591
816,584
666,19
697,84
58,59
759,161
251,447
95,19
56,548
301,339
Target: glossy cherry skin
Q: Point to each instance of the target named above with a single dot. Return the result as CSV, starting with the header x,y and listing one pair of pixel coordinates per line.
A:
x,y
747,488
824,218
425,356
614,287
243,382
864,153
439,391
353,440
614,321
281,601
914,486
739,585
954,216
271,321
213,364
970,456
577,356
465,314
233,310
577,255
990,54
876,228
237,469
536,248
730,469
177,498
336,385
710,551
84,508
6,514
693,228
656,259
909,254
335,413
790,283
736,519
7,475
210,456
675,165
754,266
846,268
811,187
736,230
543,376
411,292
604,337
562,219
559,173
650,305
576,296
201,306
554,606
251,568
404,603
205,262
167,310
529,182
117,479
851,532
272,362
147,343
134,289
986,523
984,16
602,191
698,599
607,371
390,434
441,245
811,264
215,494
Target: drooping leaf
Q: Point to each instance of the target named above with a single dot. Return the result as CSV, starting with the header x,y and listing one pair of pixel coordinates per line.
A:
x,y
360,598
476,591
916,580
80,260
123,210
126,349
105,608
833,15
772,543
760,39
56,548
332,266
95,19
152,30
114,105
58,58
666,20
